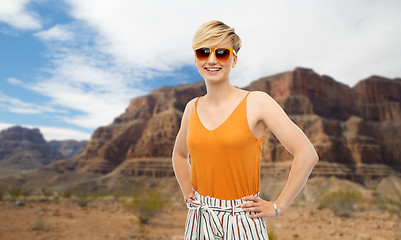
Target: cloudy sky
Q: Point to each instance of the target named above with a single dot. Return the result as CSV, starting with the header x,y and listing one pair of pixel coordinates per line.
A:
x,y
70,66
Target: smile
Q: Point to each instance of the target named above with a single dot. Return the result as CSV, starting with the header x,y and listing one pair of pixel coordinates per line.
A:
x,y
213,69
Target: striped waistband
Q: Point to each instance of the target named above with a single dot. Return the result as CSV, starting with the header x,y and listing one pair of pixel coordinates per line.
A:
x,y
215,202
206,211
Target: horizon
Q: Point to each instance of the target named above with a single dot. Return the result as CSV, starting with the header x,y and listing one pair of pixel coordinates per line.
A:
x,y
68,67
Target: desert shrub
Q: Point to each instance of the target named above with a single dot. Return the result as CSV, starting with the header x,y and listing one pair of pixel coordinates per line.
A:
x,y
46,192
39,225
15,193
118,193
272,235
397,202
392,205
1,193
26,192
66,194
340,202
146,203
81,197
82,200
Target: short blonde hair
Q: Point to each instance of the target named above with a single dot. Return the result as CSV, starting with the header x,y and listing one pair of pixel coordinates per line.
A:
x,y
213,33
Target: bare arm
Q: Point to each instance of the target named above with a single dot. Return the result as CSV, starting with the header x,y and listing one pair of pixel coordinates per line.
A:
x,y
180,159
295,141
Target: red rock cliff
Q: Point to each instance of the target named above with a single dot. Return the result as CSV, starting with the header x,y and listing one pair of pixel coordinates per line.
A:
x,y
24,148
361,124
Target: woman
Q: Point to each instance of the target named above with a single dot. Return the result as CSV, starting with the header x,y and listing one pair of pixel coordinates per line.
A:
x,y
221,135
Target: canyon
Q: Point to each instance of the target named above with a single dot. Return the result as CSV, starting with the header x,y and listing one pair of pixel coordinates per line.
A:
x,y
355,130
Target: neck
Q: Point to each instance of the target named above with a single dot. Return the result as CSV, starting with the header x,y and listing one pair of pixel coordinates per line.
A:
x,y
218,92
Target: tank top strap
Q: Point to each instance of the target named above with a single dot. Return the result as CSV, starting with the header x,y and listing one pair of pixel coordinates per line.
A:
x,y
247,94
196,101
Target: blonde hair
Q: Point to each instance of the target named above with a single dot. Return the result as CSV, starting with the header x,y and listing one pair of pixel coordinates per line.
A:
x,y
213,33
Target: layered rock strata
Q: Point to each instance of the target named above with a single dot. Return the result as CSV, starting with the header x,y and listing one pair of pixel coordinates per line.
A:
x,y
358,125
23,148
356,132
68,148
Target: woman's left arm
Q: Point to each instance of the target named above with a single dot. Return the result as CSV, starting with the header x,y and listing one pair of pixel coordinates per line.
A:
x,y
296,142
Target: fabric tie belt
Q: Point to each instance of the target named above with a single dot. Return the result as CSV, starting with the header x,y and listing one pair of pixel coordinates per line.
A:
x,y
209,223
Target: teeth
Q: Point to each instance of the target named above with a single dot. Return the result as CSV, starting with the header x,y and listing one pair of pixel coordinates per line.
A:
x,y
213,69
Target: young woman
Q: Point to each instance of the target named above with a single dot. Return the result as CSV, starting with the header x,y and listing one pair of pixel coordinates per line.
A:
x,y
217,152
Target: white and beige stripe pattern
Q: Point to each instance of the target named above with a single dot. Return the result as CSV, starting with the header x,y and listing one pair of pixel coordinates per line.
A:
x,y
211,218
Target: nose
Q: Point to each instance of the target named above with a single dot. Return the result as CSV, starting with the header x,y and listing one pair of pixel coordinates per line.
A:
x,y
212,58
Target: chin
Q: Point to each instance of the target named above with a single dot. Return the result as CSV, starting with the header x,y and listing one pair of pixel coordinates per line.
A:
x,y
214,79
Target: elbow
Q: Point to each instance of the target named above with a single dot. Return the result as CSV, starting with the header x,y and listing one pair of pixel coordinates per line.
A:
x,y
310,157
314,157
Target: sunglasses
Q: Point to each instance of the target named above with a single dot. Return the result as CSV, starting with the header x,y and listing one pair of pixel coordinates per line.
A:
x,y
221,54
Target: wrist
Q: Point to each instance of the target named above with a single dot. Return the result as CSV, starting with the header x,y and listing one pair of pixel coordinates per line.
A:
x,y
188,195
279,207
187,198
275,208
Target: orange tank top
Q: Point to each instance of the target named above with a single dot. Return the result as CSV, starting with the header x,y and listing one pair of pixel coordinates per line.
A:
x,y
225,161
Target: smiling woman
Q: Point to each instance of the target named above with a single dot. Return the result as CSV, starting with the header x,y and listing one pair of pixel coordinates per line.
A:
x,y
222,135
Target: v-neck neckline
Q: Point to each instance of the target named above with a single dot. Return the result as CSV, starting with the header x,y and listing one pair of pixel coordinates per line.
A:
x,y
225,120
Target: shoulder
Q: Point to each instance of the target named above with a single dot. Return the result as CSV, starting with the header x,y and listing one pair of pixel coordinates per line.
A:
x,y
259,98
190,104
262,105
188,108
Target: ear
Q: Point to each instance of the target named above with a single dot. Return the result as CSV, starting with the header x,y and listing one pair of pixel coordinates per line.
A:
x,y
234,61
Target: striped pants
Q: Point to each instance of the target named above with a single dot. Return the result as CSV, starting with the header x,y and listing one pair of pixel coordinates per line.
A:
x,y
210,218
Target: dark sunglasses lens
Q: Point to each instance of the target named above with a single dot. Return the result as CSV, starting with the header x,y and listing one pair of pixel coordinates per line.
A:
x,y
203,53
222,54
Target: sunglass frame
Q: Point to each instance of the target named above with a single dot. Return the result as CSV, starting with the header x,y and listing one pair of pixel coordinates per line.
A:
x,y
213,50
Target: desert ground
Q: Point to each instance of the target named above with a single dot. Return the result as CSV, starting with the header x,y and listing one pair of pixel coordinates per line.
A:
x,y
109,219
327,208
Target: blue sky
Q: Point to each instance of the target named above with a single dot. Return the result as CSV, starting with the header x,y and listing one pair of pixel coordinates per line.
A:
x,y
70,66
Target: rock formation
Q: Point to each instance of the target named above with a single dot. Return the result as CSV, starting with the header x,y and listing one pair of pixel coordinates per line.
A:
x,y
24,148
357,125
68,148
346,125
146,129
356,131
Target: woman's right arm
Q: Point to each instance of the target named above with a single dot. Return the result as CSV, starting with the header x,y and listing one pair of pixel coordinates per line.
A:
x,y
182,168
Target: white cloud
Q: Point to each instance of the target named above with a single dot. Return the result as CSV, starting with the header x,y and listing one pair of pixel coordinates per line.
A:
x,y
140,33
15,81
5,126
54,133
15,105
85,84
101,58
56,33
14,13
348,40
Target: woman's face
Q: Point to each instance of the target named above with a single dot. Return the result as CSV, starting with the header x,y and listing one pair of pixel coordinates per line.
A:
x,y
212,70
